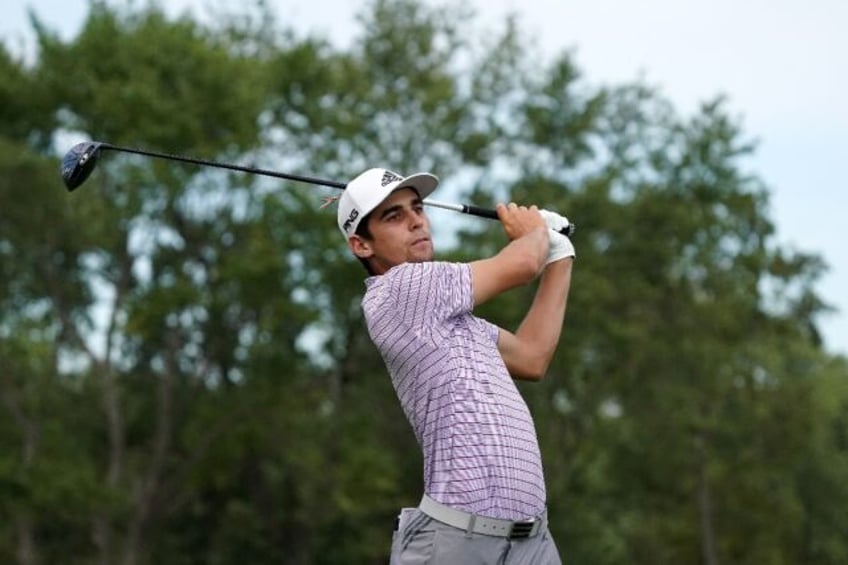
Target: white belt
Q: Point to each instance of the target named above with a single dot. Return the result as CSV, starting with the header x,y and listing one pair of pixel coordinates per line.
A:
x,y
481,524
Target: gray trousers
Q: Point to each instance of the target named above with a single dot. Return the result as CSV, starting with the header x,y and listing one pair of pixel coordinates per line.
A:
x,y
420,539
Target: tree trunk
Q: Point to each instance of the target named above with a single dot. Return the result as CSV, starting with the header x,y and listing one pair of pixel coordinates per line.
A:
x,y
709,552
103,524
150,485
26,551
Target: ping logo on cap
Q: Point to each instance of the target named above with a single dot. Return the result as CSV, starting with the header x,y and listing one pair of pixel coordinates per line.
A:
x,y
350,219
389,177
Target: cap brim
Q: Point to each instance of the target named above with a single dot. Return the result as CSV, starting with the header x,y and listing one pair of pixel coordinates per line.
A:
x,y
423,183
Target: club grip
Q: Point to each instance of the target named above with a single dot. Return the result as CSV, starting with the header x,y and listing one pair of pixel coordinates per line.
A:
x,y
482,212
492,214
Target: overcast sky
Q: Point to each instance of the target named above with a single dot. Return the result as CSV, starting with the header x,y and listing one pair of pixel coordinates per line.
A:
x,y
782,63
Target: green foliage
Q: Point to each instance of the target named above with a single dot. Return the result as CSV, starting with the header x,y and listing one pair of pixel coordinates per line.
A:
x,y
184,373
25,111
135,77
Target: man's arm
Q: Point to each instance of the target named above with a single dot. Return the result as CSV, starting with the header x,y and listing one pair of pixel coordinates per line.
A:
x,y
520,261
528,352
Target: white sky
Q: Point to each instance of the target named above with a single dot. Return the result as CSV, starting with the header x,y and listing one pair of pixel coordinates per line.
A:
x,y
782,63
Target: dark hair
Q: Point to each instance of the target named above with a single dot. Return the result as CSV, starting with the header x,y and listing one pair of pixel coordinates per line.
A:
x,y
363,232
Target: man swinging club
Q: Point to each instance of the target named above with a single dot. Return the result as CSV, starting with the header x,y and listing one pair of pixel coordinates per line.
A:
x,y
484,489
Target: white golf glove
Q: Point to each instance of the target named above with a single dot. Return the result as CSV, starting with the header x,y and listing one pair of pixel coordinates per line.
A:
x,y
555,221
559,247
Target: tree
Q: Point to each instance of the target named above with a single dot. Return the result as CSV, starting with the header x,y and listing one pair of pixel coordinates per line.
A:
x,y
184,373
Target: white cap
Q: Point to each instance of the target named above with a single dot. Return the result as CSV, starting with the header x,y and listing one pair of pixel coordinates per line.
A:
x,y
368,190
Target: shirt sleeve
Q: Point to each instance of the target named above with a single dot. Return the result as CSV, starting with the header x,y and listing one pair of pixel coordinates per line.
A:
x,y
491,330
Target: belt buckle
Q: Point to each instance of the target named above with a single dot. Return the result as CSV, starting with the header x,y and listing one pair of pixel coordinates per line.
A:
x,y
523,529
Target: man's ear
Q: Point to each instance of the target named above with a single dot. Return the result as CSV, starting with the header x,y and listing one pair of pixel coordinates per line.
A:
x,y
360,247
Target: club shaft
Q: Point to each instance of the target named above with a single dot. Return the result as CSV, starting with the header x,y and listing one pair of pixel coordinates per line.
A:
x,y
229,166
463,208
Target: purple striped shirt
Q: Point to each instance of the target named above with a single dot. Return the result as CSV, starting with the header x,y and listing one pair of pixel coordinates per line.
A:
x,y
476,434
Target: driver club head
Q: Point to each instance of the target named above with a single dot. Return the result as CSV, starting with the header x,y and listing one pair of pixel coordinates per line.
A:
x,y
78,163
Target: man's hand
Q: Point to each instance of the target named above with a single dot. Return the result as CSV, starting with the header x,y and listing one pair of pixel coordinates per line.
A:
x,y
520,261
559,247
518,221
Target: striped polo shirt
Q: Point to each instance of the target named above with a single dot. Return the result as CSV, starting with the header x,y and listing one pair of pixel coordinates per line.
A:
x,y
476,434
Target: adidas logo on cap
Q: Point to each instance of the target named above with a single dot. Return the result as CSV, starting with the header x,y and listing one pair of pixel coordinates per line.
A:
x,y
389,177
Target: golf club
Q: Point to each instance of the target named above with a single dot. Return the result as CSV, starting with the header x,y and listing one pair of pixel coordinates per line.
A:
x,y
80,160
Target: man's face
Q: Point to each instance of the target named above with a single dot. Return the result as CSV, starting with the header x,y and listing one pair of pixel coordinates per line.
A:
x,y
400,233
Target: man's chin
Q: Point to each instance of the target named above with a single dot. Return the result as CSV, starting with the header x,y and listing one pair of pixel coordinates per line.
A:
x,y
422,257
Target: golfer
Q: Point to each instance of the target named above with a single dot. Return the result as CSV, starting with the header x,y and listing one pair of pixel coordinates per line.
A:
x,y
484,489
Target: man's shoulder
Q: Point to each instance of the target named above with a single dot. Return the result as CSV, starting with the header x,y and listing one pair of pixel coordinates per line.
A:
x,y
415,271
410,282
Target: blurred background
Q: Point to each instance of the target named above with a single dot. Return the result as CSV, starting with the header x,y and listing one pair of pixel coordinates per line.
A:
x,y
184,372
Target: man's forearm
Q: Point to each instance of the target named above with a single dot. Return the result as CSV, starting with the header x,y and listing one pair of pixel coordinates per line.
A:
x,y
542,326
